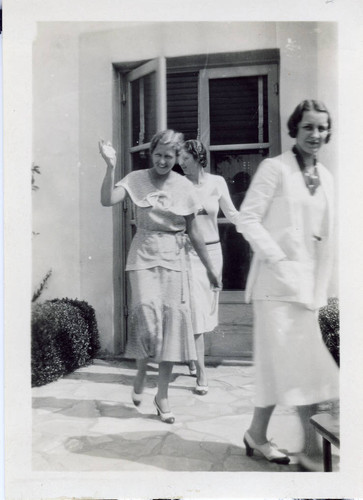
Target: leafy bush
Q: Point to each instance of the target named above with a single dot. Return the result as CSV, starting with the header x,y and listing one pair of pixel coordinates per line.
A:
x,y
64,338
329,325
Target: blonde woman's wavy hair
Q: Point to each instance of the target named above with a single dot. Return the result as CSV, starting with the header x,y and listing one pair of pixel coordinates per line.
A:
x,y
168,137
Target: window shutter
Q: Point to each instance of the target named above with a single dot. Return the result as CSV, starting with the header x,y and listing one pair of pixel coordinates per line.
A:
x,y
182,97
238,110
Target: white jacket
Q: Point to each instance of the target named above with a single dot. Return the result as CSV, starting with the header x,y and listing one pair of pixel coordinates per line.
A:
x,y
271,220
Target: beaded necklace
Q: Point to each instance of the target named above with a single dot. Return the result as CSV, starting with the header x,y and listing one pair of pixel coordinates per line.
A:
x,y
311,178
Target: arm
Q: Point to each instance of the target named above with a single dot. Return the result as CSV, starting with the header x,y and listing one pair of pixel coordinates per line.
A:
x,y
110,195
201,249
256,203
226,203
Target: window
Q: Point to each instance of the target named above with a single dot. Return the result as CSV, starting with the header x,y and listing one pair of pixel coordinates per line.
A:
x,y
233,110
238,110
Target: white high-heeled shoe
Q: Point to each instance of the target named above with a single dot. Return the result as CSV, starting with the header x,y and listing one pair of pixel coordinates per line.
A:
x,y
165,416
201,390
268,450
136,398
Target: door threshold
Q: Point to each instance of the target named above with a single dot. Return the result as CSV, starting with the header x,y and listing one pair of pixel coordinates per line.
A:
x,y
229,361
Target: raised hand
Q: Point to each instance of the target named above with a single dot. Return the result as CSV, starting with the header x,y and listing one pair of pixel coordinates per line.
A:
x,y
107,152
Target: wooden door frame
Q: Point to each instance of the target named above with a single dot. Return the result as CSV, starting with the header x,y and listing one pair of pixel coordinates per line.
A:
x,y
122,139
121,129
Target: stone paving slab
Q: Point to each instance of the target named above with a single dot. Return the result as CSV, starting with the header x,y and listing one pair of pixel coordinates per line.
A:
x,y
86,421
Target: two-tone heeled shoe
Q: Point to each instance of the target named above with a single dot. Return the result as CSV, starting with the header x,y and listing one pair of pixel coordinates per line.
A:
x,y
268,450
136,398
165,416
201,390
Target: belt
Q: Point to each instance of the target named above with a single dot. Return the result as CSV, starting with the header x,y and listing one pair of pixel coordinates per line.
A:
x,y
181,239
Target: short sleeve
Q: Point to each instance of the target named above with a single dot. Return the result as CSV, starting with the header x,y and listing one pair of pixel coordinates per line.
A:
x,y
137,187
180,197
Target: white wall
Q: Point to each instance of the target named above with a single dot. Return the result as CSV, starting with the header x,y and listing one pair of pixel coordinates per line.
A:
x,y
56,204
308,71
327,76
55,150
73,99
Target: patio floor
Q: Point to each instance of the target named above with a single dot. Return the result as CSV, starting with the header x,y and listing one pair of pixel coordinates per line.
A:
x,y
86,421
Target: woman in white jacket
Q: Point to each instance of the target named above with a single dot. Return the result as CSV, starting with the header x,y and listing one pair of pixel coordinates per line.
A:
x,y
287,217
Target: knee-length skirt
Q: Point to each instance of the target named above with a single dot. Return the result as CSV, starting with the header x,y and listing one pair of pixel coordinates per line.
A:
x,y
160,320
205,300
293,365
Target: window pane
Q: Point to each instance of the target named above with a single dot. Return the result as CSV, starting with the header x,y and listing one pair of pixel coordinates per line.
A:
x,y
236,258
150,106
238,111
182,97
143,105
237,168
140,160
135,111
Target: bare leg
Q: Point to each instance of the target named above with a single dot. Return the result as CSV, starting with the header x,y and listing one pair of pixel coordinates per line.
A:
x,y
201,372
259,424
165,370
139,381
256,439
311,442
192,367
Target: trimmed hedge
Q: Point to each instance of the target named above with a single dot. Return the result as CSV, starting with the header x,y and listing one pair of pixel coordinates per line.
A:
x,y
64,338
329,326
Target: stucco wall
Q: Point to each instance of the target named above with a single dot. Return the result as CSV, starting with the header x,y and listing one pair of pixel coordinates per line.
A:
x,y
56,208
308,70
73,109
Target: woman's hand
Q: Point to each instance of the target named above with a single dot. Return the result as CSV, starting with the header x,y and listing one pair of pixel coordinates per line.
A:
x,y
110,195
199,246
214,279
107,152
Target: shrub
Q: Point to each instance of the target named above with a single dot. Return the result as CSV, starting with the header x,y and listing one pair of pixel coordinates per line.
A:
x,y
329,325
64,338
43,284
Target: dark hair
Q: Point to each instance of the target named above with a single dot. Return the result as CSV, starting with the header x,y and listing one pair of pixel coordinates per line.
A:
x,y
170,137
197,150
307,105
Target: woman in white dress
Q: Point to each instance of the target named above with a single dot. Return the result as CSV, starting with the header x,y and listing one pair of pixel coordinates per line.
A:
x,y
165,204
213,194
287,217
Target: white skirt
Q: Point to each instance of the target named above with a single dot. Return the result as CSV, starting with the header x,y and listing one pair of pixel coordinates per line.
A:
x,y
160,323
293,365
204,299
